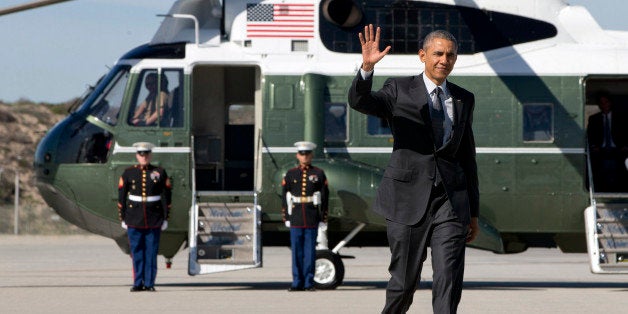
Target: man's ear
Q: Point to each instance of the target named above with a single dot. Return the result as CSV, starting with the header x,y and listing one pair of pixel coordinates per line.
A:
x,y
422,55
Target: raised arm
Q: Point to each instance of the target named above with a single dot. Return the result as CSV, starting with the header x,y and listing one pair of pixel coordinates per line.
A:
x,y
370,48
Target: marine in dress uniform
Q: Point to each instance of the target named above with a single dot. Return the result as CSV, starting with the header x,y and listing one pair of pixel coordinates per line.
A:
x,y
144,201
305,199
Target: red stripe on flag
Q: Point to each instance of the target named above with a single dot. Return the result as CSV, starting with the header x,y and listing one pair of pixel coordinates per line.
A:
x,y
289,21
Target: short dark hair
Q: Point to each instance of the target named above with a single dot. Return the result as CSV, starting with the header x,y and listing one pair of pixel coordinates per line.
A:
x,y
439,33
602,94
164,80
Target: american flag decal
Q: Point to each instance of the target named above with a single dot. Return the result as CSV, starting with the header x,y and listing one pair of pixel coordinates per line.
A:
x,y
279,20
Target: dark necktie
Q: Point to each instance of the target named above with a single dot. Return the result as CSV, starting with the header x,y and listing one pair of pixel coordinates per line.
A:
x,y
607,132
438,117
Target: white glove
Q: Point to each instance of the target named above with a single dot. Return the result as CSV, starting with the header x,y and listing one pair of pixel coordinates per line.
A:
x,y
164,225
123,225
287,223
321,237
322,226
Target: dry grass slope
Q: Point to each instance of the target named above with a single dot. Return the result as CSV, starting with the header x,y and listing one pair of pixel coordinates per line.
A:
x,y
22,125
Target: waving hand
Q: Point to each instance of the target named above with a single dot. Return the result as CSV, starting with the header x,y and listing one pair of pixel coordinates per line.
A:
x,y
370,48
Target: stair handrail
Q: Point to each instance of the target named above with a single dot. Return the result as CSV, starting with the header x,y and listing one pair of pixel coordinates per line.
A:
x,y
587,151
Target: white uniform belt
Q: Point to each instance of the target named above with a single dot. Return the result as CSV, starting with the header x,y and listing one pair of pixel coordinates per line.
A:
x,y
137,198
302,199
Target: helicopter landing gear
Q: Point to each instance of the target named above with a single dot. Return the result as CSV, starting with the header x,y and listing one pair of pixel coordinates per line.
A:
x,y
329,270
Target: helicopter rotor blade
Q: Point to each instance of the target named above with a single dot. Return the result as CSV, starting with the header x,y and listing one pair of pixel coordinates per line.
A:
x,y
29,6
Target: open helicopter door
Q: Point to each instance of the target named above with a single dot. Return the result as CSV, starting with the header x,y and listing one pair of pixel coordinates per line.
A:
x,y
606,219
606,225
225,218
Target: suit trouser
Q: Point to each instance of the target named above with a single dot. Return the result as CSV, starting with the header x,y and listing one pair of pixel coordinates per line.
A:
x,y
441,230
144,247
609,171
303,244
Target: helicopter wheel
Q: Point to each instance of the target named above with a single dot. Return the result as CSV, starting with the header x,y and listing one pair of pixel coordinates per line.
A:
x,y
329,270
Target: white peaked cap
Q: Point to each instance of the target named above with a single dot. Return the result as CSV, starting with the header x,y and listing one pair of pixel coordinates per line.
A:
x,y
303,145
143,146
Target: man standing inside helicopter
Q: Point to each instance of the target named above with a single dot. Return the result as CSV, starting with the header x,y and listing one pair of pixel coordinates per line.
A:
x,y
304,207
607,134
144,200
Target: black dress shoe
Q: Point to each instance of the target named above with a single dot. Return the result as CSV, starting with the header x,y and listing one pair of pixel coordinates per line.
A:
x,y
310,289
150,289
293,289
137,288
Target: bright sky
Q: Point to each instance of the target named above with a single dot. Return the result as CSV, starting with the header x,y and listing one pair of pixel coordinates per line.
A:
x,y
53,53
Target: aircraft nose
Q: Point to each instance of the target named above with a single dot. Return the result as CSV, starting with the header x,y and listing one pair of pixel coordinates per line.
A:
x,y
45,154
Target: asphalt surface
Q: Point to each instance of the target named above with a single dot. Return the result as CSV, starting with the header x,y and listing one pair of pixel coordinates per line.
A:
x,y
89,274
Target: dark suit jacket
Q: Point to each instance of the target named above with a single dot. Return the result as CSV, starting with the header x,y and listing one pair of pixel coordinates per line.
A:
x,y
595,130
404,191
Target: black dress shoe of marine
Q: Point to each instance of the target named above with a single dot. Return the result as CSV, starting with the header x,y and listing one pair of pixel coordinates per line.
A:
x,y
150,289
294,289
137,288
310,289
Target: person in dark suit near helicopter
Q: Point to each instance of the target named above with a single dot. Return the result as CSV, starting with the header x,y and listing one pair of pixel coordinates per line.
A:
x,y
607,133
144,201
429,191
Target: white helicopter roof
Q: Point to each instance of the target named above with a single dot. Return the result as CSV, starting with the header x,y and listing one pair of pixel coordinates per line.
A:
x,y
578,37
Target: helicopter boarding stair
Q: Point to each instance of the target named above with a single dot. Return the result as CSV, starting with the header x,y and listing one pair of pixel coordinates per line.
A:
x,y
224,237
606,224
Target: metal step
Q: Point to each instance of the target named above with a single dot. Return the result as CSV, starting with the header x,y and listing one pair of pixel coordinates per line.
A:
x,y
612,236
226,237
607,236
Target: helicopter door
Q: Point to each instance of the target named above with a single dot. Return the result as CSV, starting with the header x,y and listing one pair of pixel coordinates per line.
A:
x,y
225,220
223,127
606,221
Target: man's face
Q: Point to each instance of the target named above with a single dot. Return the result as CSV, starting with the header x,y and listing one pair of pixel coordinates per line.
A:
x,y
305,158
143,158
605,104
151,83
439,58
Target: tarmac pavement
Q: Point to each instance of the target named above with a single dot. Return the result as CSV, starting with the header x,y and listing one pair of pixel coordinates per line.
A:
x,y
89,274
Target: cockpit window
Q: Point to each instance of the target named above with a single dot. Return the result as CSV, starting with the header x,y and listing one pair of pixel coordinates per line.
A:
x,y
106,107
158,100
84,142
404,24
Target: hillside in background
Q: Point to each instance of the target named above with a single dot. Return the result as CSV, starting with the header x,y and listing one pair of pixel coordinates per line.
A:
x,y
22,125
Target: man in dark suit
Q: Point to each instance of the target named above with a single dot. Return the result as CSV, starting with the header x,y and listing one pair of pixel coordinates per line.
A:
x,y
608,146
429,192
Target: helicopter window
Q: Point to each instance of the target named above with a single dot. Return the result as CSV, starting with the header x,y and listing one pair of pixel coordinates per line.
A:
x,y
83,142
538,123
173,113
107,106
241,114
377,126
405,23
335,122
158,99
